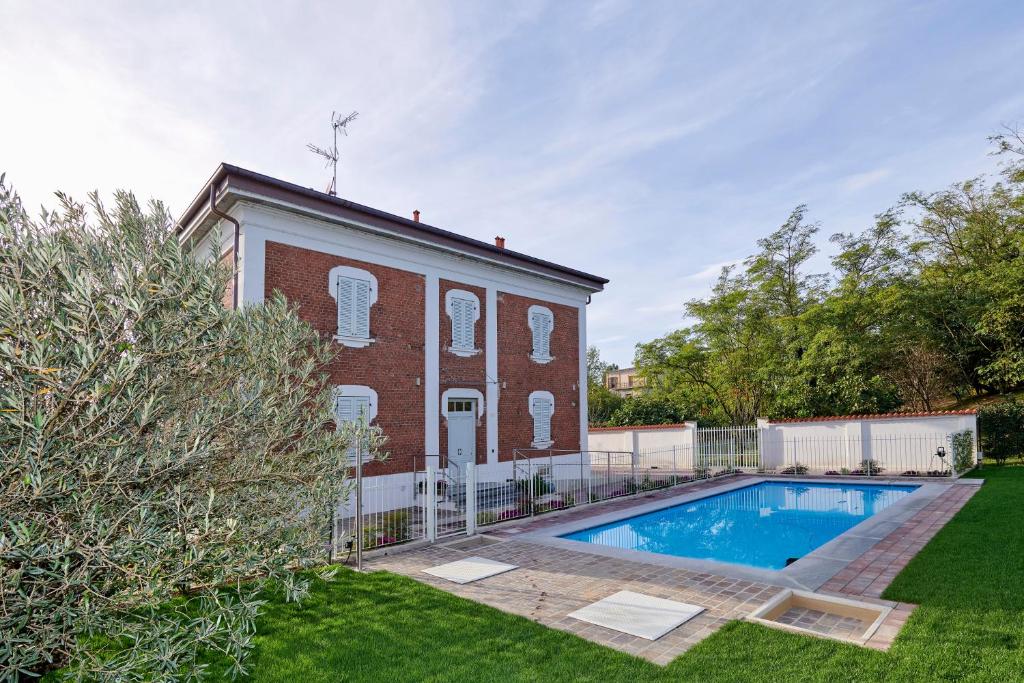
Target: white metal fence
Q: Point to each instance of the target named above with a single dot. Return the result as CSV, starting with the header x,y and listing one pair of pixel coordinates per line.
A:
x,y
436,503
914,455
729,446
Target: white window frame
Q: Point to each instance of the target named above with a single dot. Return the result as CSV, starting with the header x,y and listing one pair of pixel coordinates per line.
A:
x,y
355,391
547,396
463,393
530,314
466,349
345,337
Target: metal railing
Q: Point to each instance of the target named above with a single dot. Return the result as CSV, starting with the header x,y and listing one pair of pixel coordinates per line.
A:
x,y
905,455
437,502
729,446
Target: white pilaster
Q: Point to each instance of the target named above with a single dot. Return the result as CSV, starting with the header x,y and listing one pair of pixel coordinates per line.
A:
x,y
252,253
584,415
491,370
431,370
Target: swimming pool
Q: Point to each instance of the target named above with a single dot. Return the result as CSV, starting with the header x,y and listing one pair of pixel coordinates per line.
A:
x,y
763,525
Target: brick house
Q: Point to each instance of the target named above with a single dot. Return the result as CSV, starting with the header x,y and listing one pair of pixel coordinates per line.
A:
x,y
453,346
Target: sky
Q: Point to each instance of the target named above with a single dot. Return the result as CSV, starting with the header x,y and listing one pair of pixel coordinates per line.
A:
x,y
648,142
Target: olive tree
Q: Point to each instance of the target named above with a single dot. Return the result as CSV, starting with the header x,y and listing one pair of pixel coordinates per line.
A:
x,y
163,460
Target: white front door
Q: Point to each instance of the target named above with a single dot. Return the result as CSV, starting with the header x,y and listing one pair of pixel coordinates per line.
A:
x,y
461,431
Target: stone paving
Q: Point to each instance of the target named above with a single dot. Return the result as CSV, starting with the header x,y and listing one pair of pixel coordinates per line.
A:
x,y
552,582
825,623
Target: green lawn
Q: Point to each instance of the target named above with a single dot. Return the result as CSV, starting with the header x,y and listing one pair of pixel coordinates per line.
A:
x,y
969,582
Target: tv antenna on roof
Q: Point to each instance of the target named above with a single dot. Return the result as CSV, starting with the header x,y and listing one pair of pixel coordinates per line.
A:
x,y
338,123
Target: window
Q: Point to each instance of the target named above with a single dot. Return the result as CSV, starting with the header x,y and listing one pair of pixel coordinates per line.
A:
x,y
542,407
353,403
460,406
457,400
355,291
464,310
542,321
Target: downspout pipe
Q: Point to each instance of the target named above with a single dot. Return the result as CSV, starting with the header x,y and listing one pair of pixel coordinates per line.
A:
x,y
234,251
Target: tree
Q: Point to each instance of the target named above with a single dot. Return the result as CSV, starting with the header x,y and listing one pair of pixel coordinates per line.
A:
x,y
847,332
597,368
644,410
925,305
969,289
742,351
155,449
601,401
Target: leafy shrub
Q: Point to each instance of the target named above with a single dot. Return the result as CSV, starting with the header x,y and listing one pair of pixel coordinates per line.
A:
x,y
486,517
154,447
798,468
541,486
1001,430
393,528
963,450
601,404
644,410
869,468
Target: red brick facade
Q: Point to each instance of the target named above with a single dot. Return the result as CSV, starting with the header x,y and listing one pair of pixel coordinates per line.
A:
x,y
390,365
394,364
522,375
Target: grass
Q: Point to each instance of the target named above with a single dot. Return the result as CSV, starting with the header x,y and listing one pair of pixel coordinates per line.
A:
x,y
969,583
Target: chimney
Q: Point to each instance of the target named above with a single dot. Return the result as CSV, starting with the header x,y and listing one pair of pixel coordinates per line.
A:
x,y
499,242
416,215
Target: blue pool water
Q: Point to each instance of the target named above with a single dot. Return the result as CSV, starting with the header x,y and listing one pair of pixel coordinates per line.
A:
x,y
761,525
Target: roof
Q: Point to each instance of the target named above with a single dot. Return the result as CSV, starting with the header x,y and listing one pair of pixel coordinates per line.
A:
x,y
233,183
877,416
637,428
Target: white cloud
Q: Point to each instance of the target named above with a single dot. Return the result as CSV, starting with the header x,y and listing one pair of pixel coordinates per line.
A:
x,y
859,181
712,271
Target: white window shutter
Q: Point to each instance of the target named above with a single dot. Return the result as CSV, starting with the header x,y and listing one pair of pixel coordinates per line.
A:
x,y
541,420
541,325
535,326
349,409
353,307
361,310
469,313
458,313
346,299
463,312
546,337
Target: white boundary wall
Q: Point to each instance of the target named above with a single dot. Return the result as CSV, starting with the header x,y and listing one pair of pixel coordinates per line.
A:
x,y
895,443
639,439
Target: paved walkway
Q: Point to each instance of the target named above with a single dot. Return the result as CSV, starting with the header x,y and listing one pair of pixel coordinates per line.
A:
x,y
552,582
